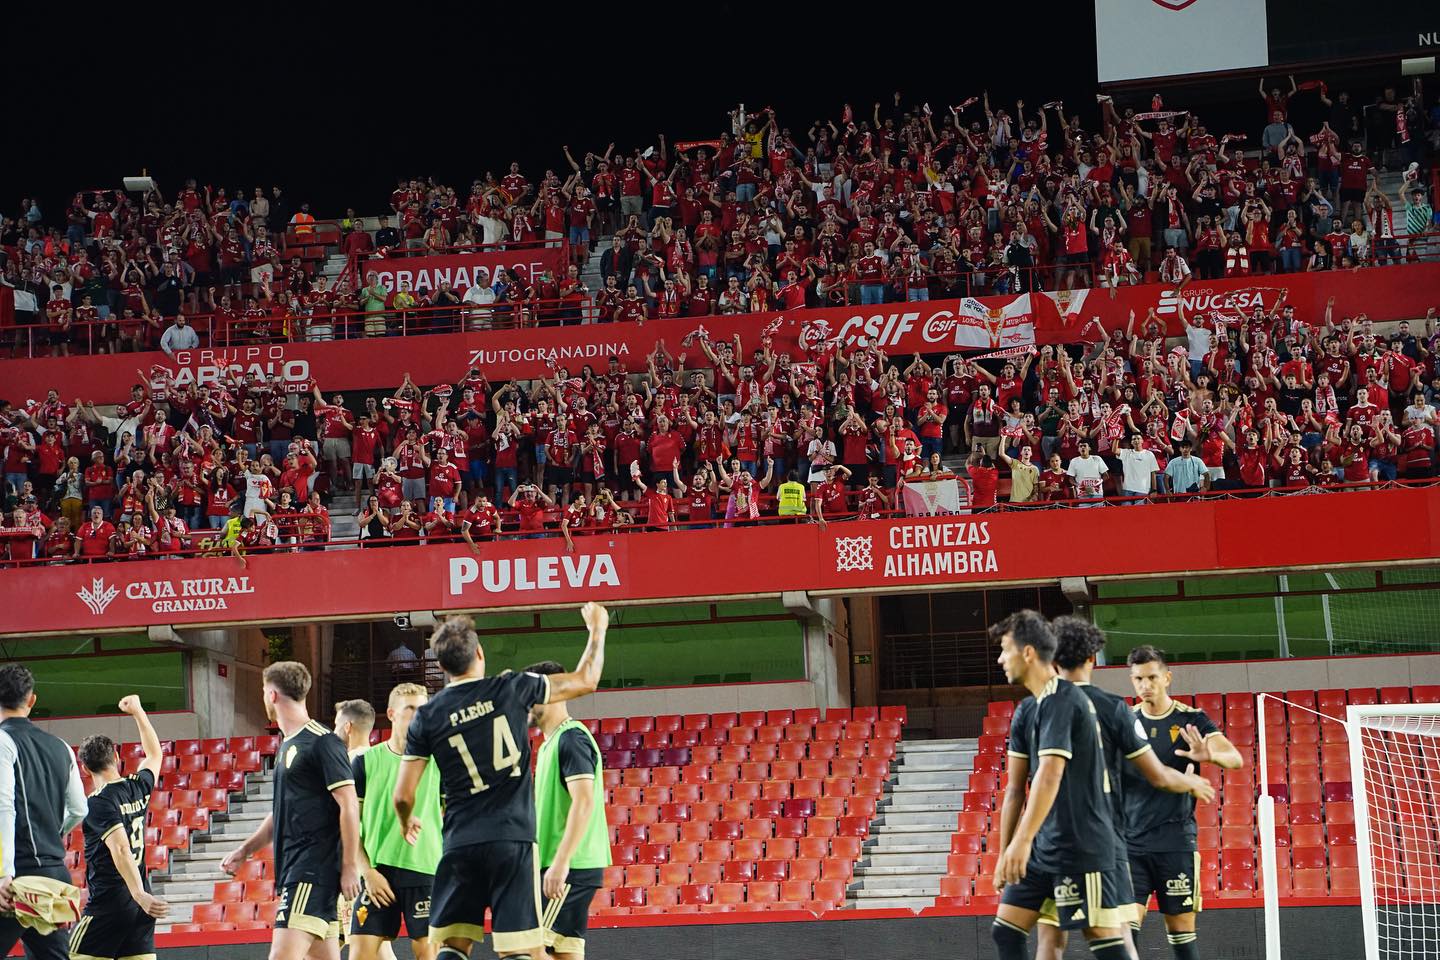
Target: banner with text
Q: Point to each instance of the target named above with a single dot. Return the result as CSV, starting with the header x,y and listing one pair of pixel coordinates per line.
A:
x,y
933,327
463,270
916,553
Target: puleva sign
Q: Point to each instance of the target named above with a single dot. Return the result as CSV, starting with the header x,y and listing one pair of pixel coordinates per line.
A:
x,y
567,570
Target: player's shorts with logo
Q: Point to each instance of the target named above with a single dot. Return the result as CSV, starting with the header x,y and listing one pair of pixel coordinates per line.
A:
x,y
411,903
126,931
1073,901
1173,876
566,919
310,907
502,875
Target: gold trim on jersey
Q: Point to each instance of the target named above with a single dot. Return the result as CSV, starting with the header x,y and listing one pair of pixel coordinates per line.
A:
x,y
517,941
1175,707
552,911
77,936
340,783
1050,687
579,776
314,726
118,826
1197,885
317,927
572,946
138,956
1055,752
458,931
1132,756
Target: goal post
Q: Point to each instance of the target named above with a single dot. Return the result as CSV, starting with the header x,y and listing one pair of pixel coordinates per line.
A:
x,y
1395,781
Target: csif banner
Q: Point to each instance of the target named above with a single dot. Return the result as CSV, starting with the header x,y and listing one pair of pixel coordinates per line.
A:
x,y
971,324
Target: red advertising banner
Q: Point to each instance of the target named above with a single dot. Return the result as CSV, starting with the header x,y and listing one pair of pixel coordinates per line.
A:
x,y
929,327
918,553
464,270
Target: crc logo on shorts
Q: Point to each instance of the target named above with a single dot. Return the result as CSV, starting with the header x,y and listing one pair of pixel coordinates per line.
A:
x,y
421,911
98,595
1067,893
1179,886
361,913
854,553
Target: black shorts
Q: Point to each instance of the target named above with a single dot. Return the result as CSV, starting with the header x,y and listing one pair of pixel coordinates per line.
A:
x,y
557,476
1173,876
565,920
1073,901
310,907
503,875
412,903
125,931
1348,194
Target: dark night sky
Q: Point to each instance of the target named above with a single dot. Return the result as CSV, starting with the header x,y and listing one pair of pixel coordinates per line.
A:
x,y
335,115
334,108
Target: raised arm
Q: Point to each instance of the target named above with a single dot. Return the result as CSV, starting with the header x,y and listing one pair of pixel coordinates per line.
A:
x,y
586,676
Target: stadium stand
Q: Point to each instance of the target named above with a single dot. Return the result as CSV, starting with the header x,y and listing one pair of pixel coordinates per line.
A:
x,y
901,205
708,813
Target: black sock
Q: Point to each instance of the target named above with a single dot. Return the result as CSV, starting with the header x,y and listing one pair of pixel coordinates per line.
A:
x,y
1109,948
451,953
1009,940
1184,945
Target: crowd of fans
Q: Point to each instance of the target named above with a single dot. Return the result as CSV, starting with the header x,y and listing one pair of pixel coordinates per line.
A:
x,y
903,203
725,433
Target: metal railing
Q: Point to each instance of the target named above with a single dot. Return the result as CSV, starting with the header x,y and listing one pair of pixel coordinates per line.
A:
x,y
295,532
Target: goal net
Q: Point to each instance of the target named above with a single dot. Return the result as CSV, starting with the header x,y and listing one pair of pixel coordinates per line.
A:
x,y
1395,770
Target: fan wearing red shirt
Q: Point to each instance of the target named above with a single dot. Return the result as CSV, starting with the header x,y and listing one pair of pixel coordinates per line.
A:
x,y
666,445
659,502
444,480
984,479
94,535
1254,464
60,543
930,423
530,502
480,519
438,521
832,497
1355,170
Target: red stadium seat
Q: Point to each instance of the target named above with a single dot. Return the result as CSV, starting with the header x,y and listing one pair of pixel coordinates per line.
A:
x,y
652,853
239,913
685,851
813,848
207,913
738,871
640,875
662,897
696,893
252,870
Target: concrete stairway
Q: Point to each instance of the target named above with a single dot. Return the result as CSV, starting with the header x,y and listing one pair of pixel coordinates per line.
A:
x,y
905,856
192,874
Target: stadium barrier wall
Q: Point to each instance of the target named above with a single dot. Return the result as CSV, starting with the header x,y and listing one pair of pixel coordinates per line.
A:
x,y
939,326
1322,931
1186,538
